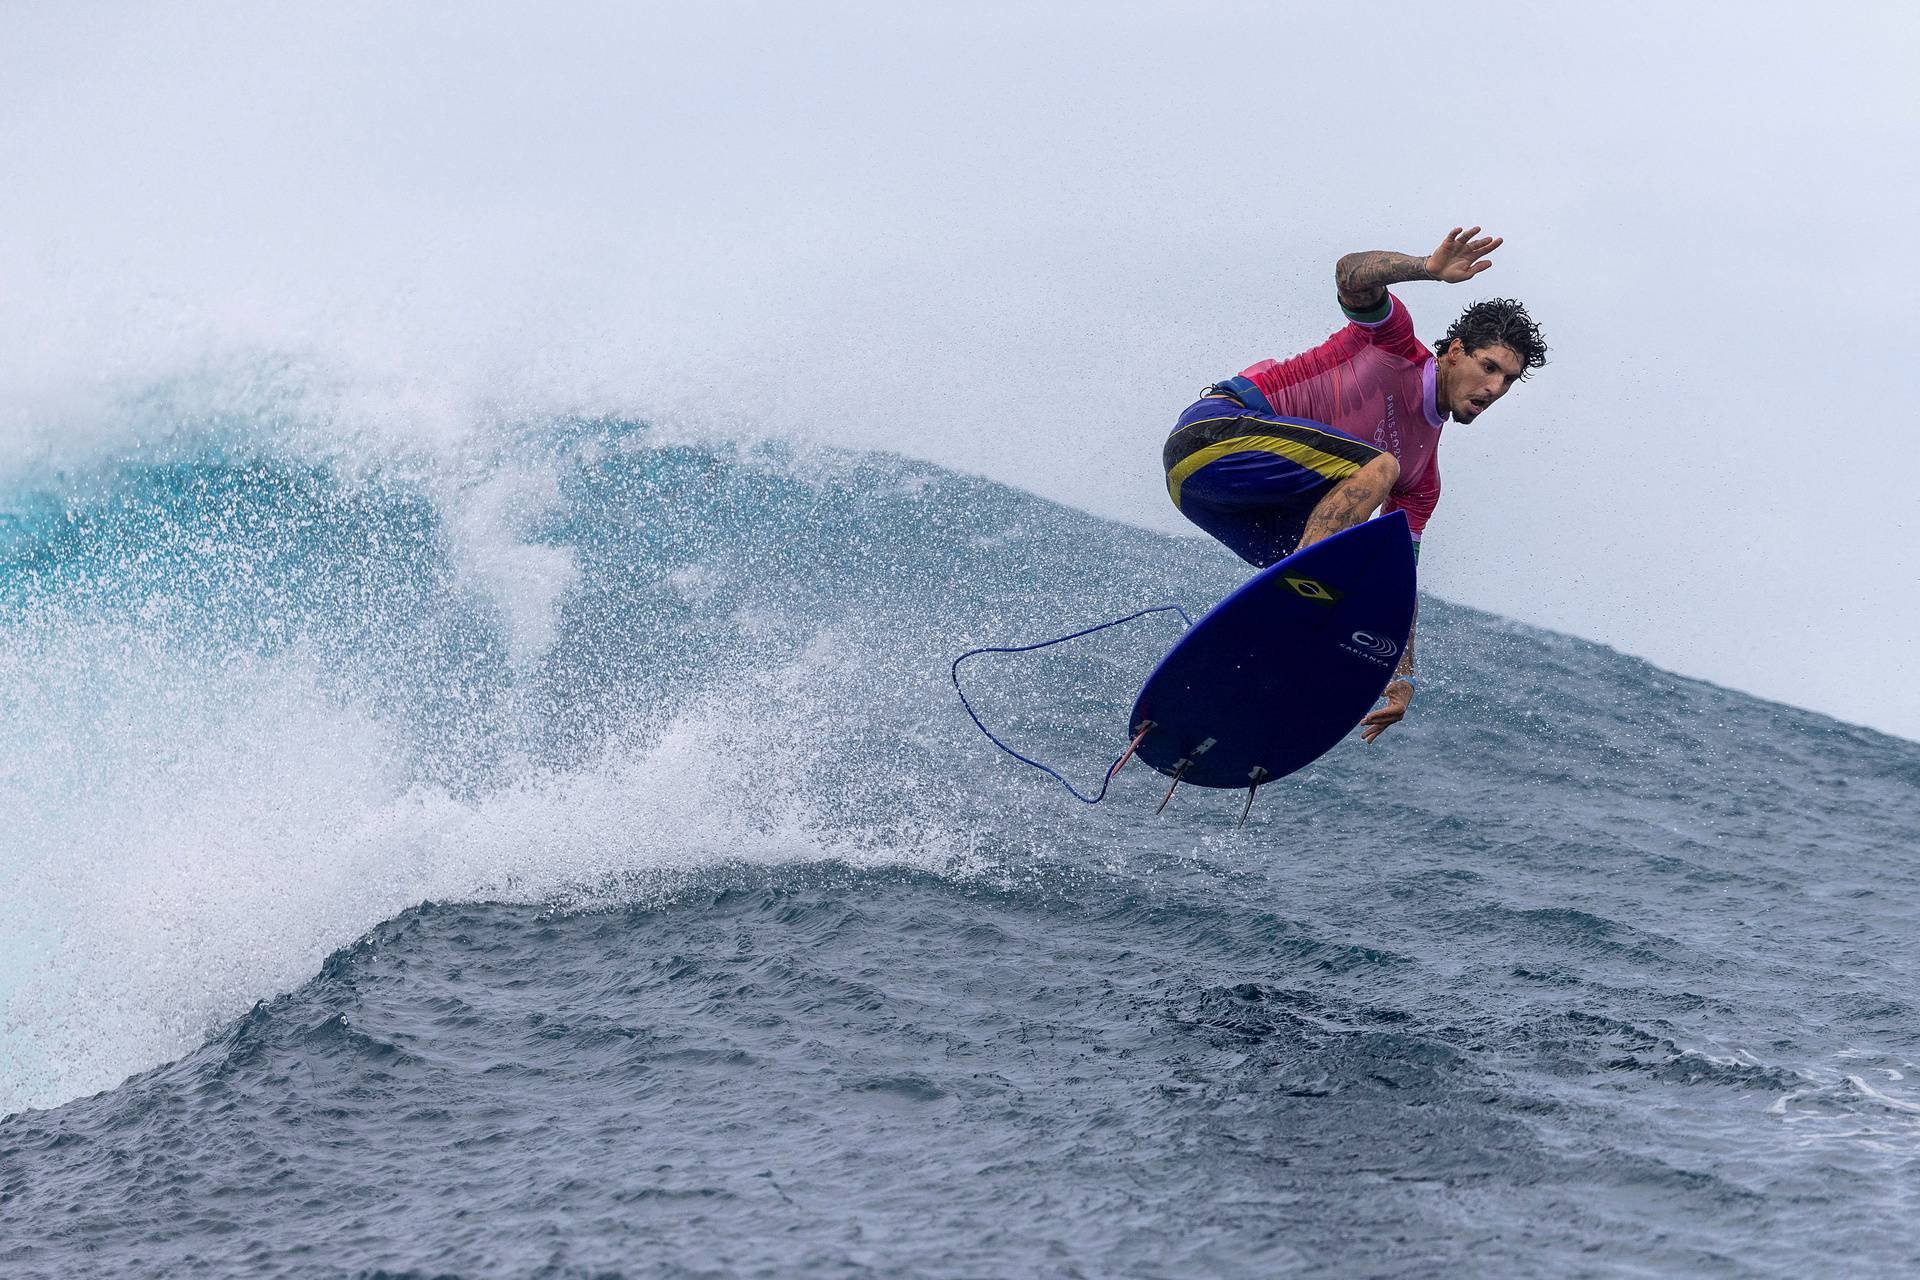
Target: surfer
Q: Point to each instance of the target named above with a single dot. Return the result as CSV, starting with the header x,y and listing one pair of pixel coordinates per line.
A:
x,y
1292,451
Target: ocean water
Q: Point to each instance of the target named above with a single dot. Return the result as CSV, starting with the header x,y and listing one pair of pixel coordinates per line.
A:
x,y
575,863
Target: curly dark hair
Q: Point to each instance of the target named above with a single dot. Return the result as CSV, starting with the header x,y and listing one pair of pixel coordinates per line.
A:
x,y
1496,321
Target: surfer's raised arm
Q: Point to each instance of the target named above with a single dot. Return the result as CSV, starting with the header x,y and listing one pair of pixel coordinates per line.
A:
x,y
1363,277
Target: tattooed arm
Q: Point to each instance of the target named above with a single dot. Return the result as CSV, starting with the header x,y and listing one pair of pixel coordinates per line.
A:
x,y
1363,277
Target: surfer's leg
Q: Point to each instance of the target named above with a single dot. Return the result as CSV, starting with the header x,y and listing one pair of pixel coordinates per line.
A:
x,y
1254,482
1352,500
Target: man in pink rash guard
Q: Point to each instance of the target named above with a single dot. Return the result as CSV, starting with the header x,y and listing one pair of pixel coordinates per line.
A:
x,y
1293,451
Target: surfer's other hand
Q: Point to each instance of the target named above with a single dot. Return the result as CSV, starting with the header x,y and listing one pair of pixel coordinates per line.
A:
x,y
1399,694
1460,256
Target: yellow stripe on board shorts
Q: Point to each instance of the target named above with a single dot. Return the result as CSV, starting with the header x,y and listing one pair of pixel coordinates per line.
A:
x,y
1329,465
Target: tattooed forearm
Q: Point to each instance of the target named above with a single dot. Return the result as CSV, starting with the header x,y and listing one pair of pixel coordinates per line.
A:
x,y
1348,504
1364,277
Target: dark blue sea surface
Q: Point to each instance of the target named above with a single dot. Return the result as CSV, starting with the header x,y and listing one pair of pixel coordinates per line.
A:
x,y
578,865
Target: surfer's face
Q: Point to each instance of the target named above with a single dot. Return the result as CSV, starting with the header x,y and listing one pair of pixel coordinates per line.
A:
x,y
1469,381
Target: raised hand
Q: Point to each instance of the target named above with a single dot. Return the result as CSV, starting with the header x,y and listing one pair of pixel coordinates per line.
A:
x,y
1460,256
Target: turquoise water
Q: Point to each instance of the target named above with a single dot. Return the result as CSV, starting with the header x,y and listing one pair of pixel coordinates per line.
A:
x,y
579,865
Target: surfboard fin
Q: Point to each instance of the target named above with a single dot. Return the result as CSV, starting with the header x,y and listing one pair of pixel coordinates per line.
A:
x,y
1179,771
1256,776
1146,727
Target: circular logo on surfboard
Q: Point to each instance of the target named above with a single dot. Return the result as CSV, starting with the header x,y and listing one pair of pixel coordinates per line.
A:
x,y
1375,644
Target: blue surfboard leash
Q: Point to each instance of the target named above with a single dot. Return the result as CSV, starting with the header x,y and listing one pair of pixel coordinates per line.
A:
x,y
1114,768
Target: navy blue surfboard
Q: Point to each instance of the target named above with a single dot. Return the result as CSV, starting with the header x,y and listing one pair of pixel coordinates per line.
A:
x,y
1277,673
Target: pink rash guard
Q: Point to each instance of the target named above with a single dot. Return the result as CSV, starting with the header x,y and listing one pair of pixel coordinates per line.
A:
x,y
1373,380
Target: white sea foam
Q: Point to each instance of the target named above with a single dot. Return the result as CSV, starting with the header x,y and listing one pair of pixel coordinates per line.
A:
x,y
192,833
1840,1107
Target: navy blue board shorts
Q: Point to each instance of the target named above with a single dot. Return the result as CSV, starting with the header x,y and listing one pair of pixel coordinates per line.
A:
x,y
1251,479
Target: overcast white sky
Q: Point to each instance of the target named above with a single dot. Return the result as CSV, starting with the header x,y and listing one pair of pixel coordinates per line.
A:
x,y
1016,238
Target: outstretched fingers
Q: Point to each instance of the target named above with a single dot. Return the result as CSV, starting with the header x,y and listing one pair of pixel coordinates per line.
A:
x,y
1378,721
1462,254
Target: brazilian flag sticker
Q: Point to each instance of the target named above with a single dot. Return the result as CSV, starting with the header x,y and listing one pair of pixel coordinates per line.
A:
x,y
1318,592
